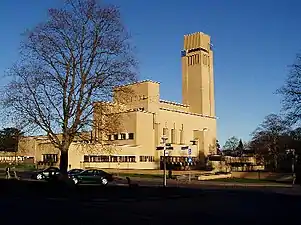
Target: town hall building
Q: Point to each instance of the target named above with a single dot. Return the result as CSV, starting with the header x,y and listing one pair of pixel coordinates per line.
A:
x,y
146,121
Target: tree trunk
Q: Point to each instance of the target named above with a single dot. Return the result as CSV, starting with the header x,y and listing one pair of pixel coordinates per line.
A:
x,y
64,161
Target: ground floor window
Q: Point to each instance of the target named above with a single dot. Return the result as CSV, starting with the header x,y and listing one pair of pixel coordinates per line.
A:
x,y
147,159
106,158
178,162
53,158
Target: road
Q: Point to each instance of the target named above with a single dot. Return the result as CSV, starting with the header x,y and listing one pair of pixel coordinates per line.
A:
x,y
24,202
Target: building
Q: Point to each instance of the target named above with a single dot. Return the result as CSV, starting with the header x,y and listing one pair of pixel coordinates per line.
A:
x,y
144,119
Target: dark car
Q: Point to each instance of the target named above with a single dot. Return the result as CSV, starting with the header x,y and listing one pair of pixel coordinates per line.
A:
x,y
44,174
92,176
74,172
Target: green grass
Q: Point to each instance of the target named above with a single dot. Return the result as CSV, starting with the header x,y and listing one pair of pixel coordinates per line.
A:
x,y
20,167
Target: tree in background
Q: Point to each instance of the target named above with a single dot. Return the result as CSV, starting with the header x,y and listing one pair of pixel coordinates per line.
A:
x,y
67,63
231,144
291,93
9,138
240,148
270,139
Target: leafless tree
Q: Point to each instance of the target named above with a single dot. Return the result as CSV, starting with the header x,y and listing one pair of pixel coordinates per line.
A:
x,y
291,92
270,139
67,63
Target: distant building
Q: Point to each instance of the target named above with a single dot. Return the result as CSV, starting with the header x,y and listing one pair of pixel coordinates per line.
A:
x,y
145,119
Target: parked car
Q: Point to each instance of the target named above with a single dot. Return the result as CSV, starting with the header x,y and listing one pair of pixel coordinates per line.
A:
x,y
74,171
92,176
44,174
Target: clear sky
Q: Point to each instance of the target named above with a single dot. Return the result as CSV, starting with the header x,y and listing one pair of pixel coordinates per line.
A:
x,y
254,41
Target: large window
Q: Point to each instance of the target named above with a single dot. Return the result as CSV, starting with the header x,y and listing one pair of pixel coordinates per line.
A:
x,y
106,158
147,159
99,158
123,159
53,158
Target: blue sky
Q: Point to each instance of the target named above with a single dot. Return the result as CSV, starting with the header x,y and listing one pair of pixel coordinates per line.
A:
x,y
254,42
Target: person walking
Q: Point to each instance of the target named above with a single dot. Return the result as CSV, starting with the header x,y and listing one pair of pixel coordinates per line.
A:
x,y
7,172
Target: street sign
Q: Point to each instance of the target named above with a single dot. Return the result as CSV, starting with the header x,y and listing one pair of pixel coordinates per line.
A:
x,y
184,147
189,151
169,148
160,148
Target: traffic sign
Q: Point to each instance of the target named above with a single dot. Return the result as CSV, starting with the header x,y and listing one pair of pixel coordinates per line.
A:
x,y
189,151
189,160
166,153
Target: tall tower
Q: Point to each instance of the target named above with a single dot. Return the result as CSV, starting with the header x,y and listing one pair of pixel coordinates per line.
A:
x,y
197,74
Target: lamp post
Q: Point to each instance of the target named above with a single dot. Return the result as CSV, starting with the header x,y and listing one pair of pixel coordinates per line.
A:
x,y
292,151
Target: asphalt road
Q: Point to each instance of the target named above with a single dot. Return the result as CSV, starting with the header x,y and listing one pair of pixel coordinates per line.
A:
x,y
24,202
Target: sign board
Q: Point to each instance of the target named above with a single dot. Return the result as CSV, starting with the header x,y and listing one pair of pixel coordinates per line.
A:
x,y
184,147
189,151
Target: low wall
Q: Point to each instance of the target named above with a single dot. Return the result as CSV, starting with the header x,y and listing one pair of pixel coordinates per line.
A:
x,y
260,175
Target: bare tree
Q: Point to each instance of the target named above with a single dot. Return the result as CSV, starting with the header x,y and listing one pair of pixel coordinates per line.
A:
x,y
67,63
270,139
291,92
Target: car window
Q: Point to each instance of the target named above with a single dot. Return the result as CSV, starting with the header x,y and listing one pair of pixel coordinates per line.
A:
x,y
87,172
99,172
51,169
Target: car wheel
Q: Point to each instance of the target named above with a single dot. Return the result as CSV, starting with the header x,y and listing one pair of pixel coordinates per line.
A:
x,y
104,181
39,177
75,180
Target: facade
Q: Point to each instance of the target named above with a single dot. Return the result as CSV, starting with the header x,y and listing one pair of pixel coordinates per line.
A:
x,y
144,119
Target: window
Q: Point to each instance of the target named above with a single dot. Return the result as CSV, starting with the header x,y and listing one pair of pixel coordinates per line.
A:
x,y
50,158
131,136
96,158
115,136
147,159
110,137
123,159
123,136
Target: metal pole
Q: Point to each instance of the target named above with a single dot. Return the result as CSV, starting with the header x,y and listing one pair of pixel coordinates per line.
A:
x,y
293,166
164,173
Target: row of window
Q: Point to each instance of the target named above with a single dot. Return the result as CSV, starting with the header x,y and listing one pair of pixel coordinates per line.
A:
x,y
121,136
120,159
178,159
51,158
195,59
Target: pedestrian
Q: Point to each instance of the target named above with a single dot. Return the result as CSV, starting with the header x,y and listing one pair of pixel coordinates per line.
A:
x,y
15,172
7,172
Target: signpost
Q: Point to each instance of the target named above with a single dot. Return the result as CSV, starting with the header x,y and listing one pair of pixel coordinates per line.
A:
x,y
166,146
189,161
